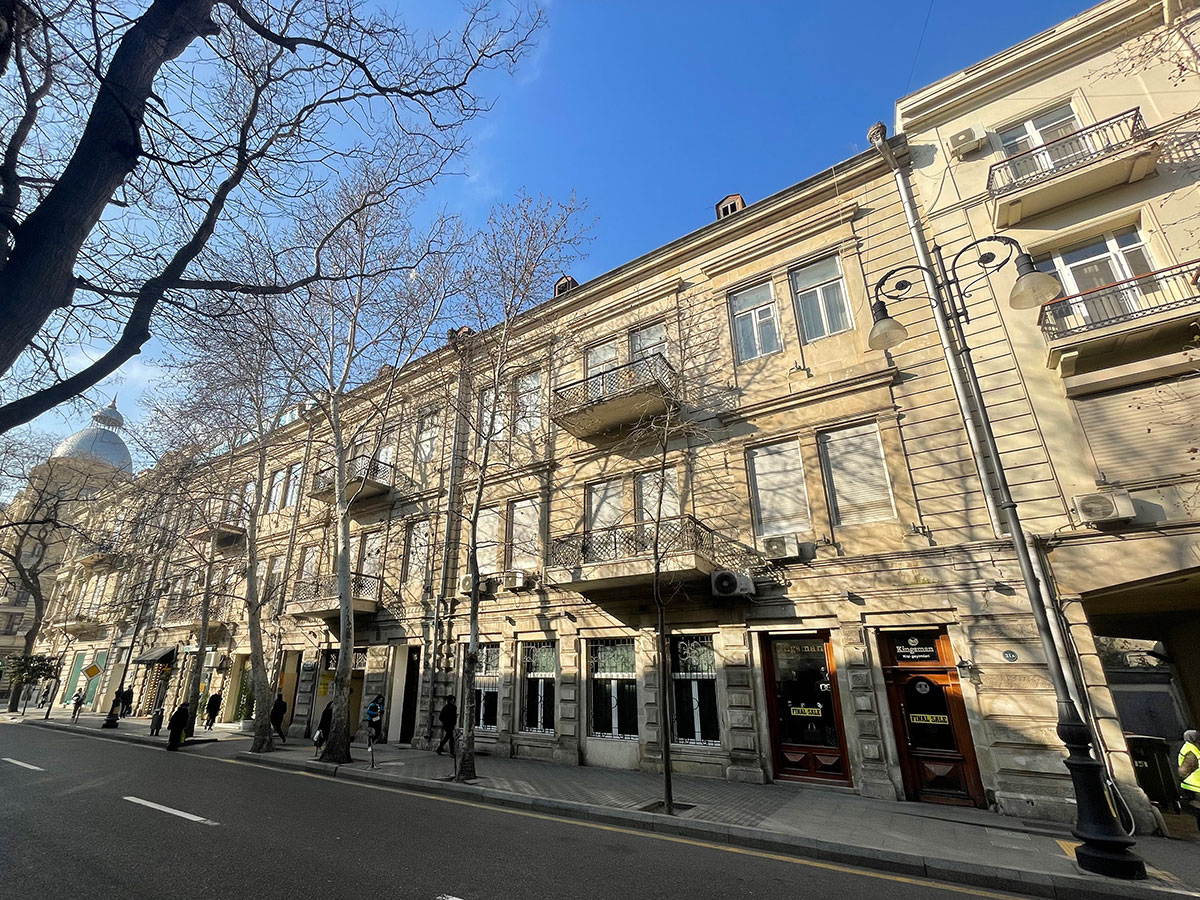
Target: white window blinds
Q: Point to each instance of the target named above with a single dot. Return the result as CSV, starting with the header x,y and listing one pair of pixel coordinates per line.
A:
x,y
777,486
859,488
604,504
487,541
647,487
526,534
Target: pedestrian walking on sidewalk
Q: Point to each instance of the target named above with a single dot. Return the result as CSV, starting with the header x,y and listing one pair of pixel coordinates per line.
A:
x,y
177,724
449,719
127,703
77,705
156,721
321,735
212,710
1189,772
278,711
44,697
375,717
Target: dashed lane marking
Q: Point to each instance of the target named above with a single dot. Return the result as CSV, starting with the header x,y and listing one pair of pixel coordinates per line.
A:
x,y
23,765
175,812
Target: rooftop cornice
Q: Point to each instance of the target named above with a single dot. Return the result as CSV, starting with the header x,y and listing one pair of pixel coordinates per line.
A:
x,y
1087,34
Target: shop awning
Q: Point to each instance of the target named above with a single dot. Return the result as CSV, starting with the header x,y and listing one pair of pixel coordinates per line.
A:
x,y
156,655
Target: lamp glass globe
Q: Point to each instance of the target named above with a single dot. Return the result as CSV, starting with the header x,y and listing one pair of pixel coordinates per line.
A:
x,y
886,333
1033,289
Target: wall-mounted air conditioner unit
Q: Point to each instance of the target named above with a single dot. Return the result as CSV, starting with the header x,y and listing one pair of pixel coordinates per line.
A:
x,y
728,583
966,141
516,580
1112,505
487,584
781,546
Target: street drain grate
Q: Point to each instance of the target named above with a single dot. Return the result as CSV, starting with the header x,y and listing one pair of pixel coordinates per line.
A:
x,y
656,806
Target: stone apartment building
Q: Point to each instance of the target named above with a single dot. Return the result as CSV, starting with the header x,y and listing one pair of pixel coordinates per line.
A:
x,y
706,424
1082,144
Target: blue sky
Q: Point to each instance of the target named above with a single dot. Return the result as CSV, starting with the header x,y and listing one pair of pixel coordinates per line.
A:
x,y
652,112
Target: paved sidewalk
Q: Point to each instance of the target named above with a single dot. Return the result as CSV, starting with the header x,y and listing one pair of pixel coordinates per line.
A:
x,y
954,844
135,730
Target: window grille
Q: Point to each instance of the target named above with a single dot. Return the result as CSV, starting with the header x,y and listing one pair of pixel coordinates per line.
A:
x,y
539,663
487,686
614,689
694,683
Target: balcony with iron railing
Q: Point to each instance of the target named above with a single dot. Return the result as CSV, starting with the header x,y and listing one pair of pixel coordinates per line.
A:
x,y
318,597
1099,319
82,623
1118,150
226,531
623,555
606,401
365,477
94,553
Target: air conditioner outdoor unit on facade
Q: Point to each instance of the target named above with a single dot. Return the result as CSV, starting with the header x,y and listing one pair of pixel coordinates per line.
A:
x,y
211,658
516,580
487,584
1113,505
781,546
966,141
728,583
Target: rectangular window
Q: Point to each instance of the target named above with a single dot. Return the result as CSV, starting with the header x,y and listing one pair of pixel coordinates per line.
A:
x,y
777,489
11,622
648,341
309,559
859,488
820,293
604,504
694,683
527,395
599,362
294,477
487,541
274,582
614,689
275,491
487,687
525,534
755,322
656,495
370,560
539,665
387,448
416,552
1050,130
493,417
1103,262
427,429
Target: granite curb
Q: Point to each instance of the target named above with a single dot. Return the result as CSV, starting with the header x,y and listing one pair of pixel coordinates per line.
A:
x,y
1056,885
115,734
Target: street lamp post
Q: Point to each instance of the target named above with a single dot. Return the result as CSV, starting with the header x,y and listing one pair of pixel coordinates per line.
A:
x,y
1106,848
113,719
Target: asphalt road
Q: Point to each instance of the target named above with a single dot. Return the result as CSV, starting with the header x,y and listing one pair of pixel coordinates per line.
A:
x,y
70,830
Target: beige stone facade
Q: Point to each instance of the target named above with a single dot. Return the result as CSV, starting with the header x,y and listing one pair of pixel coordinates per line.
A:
x,y
1080,143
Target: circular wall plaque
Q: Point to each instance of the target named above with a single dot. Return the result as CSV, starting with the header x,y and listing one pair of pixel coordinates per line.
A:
x,y
1010,655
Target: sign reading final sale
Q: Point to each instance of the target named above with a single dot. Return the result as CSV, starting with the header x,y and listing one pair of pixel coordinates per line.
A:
x,y
806,711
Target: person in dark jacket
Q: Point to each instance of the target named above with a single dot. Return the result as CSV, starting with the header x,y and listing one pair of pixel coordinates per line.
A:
x,y
375,717
212,710
449,719
177,724
156,721
278,711
321,735
127,703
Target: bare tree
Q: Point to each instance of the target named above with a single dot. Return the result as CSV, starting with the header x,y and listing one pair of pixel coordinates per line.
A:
x,y
137,149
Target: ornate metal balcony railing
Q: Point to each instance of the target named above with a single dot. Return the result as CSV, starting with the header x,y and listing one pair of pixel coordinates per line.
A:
x,y
682,534
325,587
1067,152
359,468
650,370
1124,301
91,552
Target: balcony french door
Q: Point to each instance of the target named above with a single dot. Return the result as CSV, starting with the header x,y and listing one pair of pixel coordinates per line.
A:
x,y
1110,258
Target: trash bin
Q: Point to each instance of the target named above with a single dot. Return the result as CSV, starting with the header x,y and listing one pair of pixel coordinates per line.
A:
x,y
1156,773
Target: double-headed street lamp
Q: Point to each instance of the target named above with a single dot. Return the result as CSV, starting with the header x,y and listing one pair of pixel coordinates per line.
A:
x,y
1105,848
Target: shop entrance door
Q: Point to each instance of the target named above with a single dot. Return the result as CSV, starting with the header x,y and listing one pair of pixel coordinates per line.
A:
x,y
937,756
802,703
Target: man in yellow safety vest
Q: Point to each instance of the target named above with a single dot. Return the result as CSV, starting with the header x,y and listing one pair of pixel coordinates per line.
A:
x,y
1189,772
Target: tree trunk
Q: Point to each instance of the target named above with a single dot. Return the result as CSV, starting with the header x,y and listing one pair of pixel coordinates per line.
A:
x,y
337,749
193,694
263,741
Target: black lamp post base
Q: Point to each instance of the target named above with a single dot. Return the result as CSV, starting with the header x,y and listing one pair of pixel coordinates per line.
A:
x,y
1113,864
113,718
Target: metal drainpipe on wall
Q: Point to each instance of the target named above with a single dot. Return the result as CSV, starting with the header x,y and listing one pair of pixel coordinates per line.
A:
x,y
877,135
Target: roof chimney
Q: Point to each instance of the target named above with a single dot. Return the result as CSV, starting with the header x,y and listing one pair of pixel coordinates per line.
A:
x,y
564,284
729,205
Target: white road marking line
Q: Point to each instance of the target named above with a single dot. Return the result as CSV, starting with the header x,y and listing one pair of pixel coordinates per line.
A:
x,y
174,812
446,897
17,762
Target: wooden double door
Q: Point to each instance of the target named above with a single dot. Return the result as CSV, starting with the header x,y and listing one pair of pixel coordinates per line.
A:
x,y
937,755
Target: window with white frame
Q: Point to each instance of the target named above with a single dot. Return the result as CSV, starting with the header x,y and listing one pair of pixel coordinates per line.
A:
x,y
777,489
1039,130
656,495
487,541
427,432
492,414
755,322
694,683
648,341
294,476
859,488
525,534
599,361
387,447
1100,261
416,552
487,687
539,666
275,491
527,399
310,558
613,678
820,292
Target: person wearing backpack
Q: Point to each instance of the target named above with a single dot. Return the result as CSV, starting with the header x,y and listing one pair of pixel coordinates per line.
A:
x,y
375,718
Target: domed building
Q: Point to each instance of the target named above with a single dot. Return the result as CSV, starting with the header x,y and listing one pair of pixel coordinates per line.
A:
x,y
99,442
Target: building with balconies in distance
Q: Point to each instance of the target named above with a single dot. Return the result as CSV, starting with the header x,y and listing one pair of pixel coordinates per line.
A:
x,y
1083,144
